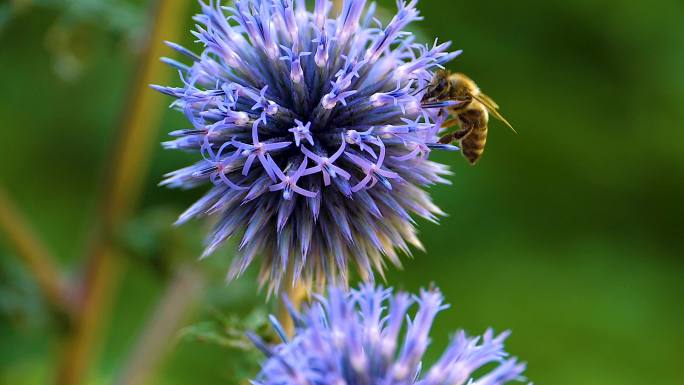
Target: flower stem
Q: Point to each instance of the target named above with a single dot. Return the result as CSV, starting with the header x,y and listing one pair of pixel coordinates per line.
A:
x,y
181,294
296,293
33,253
337,5
124,183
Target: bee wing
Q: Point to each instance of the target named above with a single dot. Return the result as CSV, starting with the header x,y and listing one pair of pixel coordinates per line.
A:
x,y
493,109
489,101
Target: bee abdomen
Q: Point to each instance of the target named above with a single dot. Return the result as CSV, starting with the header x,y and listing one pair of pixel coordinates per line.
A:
x,y
473,145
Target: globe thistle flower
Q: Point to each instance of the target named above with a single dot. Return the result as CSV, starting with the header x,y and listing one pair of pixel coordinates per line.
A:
x,y
312,133
359,337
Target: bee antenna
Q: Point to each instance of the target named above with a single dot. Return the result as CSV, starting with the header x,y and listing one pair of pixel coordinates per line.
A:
x,y
421,90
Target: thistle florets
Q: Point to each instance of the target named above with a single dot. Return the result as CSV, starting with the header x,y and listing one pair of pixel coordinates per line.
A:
x,y
312,134
369,336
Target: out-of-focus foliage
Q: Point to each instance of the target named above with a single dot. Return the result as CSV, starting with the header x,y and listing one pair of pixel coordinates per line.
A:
x,y
230,332
68,37
568,233
149,238
20,304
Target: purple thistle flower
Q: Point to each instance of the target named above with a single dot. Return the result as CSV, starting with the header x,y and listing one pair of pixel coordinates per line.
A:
x,y
312,135
367,336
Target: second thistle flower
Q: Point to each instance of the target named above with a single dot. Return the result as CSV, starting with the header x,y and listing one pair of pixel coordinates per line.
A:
x,y
312,134
370,336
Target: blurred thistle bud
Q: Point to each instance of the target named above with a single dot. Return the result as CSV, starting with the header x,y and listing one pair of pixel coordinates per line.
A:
x,y
312,135
359,337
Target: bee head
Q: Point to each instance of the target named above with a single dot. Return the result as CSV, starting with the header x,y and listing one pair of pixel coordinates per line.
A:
x,y
439,86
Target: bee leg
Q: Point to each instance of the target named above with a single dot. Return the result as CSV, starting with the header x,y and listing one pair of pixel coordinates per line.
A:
x,y
450,123
447,139
463,132
455,136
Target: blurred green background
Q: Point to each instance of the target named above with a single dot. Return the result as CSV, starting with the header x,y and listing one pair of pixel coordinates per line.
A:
x,y
569,234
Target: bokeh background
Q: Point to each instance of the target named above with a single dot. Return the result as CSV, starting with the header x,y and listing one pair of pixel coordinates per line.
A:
x,y
569,233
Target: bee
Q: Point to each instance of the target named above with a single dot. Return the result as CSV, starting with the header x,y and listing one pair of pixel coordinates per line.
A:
x,y
471,114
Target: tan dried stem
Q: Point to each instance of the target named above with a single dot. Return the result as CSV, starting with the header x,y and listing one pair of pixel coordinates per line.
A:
x,y
128,167
296,293
337,6
158,334
35,256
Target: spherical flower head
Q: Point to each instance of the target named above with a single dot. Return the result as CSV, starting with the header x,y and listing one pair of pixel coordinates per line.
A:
x,y
367,336
312,135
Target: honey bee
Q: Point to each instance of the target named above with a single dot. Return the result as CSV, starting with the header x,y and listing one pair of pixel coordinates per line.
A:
x,y
471,113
